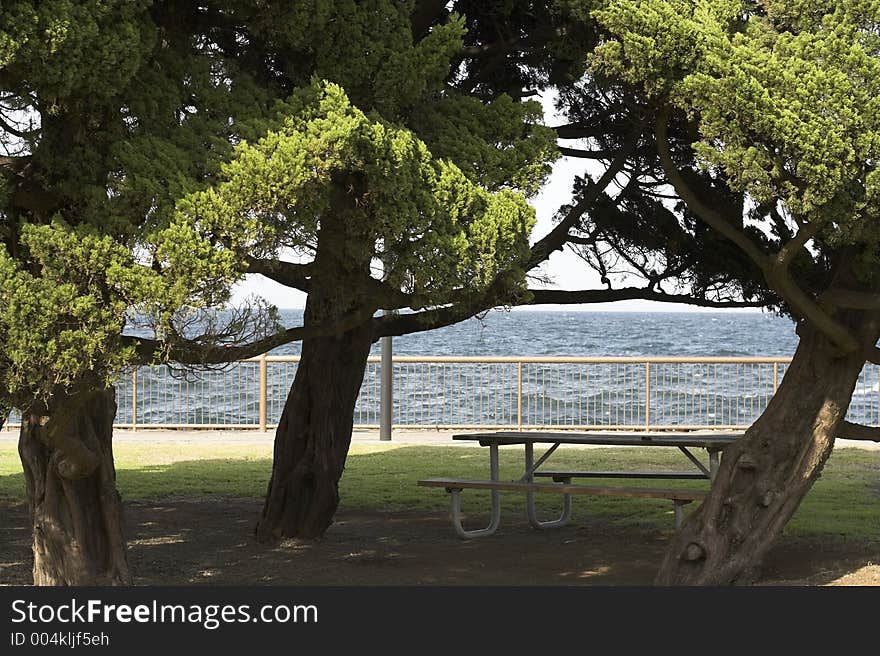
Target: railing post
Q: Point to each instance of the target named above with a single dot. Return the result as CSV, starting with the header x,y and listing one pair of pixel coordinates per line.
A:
x,y
775,376
263,392
386,392
647,395
134,398
519,417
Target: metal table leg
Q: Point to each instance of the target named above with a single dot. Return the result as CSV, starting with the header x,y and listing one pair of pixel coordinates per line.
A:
x,y
714,463
530,496
495,516
699,465
678,509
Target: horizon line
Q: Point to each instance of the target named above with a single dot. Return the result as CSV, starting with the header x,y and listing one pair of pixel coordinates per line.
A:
x,y
693,310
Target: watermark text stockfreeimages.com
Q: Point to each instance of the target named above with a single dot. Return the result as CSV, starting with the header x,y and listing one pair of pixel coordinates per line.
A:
x,y
209,616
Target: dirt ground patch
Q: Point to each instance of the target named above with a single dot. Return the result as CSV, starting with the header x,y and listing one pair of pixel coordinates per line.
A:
x,y
175,542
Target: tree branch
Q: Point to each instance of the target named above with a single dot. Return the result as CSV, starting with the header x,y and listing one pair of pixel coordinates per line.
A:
x,y
15,132
696,205
567,297
405,324
384,296
585,154
577,131
286,273
851,431
582,241
789,250
775,270
393,326
148,351
556,238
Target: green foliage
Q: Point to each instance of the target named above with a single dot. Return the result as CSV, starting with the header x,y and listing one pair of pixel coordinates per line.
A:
x,y
58,325
364,46
433,227
61,317
786,95
127,107
129,114
469,132
74,50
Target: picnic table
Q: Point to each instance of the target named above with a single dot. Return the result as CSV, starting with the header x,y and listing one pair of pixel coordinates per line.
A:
x,y
712,442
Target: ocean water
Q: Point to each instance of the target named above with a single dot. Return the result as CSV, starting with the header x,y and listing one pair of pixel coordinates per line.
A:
x,y
574,333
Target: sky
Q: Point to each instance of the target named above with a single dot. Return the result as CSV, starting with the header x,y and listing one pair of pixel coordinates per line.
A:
x,y
564,268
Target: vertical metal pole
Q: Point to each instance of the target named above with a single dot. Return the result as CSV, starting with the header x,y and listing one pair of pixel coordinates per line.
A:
x,y
263,392
775,376
647,395
714,464
386,400
134,398
678,510
519,417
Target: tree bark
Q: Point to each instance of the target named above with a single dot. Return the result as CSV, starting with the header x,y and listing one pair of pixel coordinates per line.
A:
x,y
313,437
764,475
76,511
314,432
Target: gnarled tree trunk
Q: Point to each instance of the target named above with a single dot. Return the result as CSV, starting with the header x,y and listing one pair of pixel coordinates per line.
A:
x,y
76,511
313,437
764,476
314,432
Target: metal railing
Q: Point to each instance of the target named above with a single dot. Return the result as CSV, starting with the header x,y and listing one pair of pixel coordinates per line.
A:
x,y
585,393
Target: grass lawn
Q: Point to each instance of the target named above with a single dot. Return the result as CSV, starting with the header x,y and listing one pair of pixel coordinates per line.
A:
x,y
845,503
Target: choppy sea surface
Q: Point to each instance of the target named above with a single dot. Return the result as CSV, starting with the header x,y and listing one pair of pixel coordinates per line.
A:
x,y
576,333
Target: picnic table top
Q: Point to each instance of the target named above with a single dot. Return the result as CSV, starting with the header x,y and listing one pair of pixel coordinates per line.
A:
x,y
707,440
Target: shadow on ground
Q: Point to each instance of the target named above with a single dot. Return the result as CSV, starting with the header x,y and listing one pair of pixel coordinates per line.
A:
x,y
173,542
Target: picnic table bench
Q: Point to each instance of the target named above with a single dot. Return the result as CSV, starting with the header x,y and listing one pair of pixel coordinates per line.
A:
x,y
562,484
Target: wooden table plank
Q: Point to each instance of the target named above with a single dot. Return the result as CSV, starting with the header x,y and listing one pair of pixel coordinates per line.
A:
x,y
558,488
715,440
671,475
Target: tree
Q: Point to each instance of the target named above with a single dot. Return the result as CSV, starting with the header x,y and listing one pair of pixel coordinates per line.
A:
x,y
109,112
447,252
351,190
773,106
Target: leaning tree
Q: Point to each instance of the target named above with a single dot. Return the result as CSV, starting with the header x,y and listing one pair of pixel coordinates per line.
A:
x,y
109,112
765,121
742,139
352,190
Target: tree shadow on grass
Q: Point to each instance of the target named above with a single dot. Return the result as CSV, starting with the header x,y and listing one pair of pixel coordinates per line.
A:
x,y
191,522
211,542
